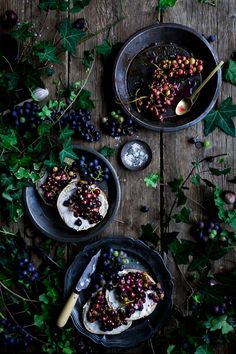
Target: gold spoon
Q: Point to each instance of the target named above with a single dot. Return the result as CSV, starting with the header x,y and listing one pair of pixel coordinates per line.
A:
x,y
186,103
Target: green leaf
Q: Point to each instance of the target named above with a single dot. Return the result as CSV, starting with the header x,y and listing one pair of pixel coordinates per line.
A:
x,y
220,323
167,239
217,172
229,74
88,59
70,36
176,184
67,151
163,4
84,101
208,183
22,173
181,250
183,215
152,180
13,80
105,48
233,180
107,151
196,179
22,32
148,234
45,112
65,133
199,263
61,5
8,141
44,129
170,349
204,349
39,320
45,51
44,298
221,118
78,5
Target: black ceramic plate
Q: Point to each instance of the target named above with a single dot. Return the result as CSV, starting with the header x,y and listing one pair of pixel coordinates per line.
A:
x,y
141,257
137,162
133,68
47,219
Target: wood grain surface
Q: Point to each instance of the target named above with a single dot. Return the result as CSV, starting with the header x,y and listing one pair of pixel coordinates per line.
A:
x,y
172,154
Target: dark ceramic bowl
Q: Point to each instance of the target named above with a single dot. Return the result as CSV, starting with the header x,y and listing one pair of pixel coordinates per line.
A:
x,y
133,69
141,257
135,160
47,219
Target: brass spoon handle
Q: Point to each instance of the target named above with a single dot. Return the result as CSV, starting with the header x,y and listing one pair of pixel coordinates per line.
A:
x,y
206,80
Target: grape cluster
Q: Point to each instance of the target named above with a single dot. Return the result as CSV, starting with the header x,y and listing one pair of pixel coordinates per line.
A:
x,y
27,271
85,203
223,308
25,116
109,264
99,310
92,169
168,76
56,180
208,230
131,289
116,125
80,122
13,337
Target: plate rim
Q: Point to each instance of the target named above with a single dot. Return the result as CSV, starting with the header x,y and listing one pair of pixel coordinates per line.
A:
x,y
75,237
101,339
149,126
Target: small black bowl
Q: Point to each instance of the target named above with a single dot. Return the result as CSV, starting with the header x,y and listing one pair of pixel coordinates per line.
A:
x,y
136,155
133,68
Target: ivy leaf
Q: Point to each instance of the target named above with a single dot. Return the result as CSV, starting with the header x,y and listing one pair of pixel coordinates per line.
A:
x,y
78,5
22,32
167,239
204,349
221,118
61,5
217,172
105,48
229,74
44,129
181,250
199,263
196,179
45,51
70,36
13,80
84,101
9,140
233,180
220,323
183,216
208,183
163,4
152,180
107,151
53,159
45,112
67,151
148,234
170,348
65,133
88,59
22,173
176,184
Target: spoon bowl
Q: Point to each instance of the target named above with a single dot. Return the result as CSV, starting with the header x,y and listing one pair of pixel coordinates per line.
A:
x,y
186,103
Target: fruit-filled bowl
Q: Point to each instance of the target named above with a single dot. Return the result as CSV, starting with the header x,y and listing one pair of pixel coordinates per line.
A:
x,y
158,66
58,218
120,253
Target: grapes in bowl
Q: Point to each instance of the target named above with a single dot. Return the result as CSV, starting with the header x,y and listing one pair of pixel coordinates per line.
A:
x,y
75,202
157,67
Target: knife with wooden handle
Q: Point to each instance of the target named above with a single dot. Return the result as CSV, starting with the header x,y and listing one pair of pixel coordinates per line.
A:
x,y
82,284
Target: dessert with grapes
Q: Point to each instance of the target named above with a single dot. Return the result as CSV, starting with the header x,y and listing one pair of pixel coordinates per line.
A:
x,y
125,295
82,205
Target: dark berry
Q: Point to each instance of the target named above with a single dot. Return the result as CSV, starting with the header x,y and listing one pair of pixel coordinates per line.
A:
x,y
211,38
9,19
144,209
80,24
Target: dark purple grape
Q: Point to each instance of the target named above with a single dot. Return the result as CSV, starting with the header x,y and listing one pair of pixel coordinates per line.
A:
x,y
8,19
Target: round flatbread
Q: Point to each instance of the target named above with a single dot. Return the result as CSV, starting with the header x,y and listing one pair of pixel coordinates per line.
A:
x,y
94,327
148,306
68,216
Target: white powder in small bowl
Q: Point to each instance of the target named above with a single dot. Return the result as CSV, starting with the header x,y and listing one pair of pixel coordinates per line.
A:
x,y
136,155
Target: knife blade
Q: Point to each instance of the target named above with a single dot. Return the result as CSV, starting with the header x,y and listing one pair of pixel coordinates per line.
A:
x,y
82,284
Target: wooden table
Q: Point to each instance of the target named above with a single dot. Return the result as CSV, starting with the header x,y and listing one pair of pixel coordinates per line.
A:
x,y
172,154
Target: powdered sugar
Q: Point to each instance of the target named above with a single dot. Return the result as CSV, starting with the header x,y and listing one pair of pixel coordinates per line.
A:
x,y
135,156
